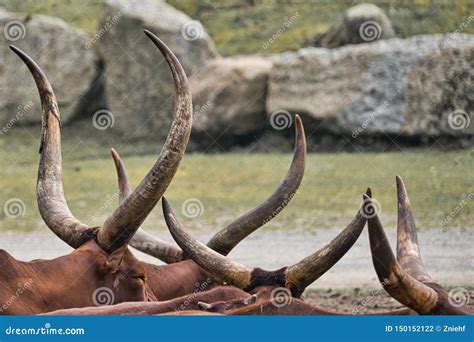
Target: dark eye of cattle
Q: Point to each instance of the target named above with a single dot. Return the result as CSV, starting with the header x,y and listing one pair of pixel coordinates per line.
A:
x,y
141,277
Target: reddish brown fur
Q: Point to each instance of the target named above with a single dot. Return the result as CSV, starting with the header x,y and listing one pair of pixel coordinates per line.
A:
x,y
181,304
178,279
70,280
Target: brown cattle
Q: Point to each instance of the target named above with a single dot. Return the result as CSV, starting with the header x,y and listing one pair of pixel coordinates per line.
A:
x,y
180,304
101,268
181,276
405,278
88,276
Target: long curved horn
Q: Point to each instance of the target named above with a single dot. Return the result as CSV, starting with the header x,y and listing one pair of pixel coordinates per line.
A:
x,y
120,227
49,188
408,251
143,241
399,284
213,262
308,270
226,239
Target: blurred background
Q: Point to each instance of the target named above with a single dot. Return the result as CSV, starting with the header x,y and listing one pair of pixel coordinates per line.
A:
x,y
383,88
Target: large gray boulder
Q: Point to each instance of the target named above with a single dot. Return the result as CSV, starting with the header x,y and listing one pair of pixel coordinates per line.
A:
x,y
420,86
61,52
139,87
229,96
362,23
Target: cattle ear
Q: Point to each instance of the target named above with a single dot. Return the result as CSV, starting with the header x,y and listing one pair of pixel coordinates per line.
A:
x,y
250,300
111,263
204,306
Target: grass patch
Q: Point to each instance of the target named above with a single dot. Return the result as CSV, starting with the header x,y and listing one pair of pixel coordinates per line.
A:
x,y
245,27
230,184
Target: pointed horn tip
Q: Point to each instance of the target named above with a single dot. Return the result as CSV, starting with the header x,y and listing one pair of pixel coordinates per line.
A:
x,y
298,124
399,180
14,48
117,159
20,53
168,214
368,192
166,205
401,190
300,138
148,33
154,38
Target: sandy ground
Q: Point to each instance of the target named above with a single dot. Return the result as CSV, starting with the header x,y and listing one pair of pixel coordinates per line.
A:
x,y
363,300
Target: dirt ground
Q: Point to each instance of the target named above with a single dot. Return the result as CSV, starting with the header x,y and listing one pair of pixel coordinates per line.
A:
x,y
359,301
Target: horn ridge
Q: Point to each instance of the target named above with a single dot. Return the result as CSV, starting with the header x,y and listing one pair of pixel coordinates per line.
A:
x,y
408,251
398,283
120,227
52,204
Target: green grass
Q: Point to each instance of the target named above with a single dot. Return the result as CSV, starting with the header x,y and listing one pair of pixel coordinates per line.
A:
x,y
83,14
243,27
229,184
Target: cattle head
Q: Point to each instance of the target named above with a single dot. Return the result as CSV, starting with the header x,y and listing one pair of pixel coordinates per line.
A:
x,y
102,252
405,278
